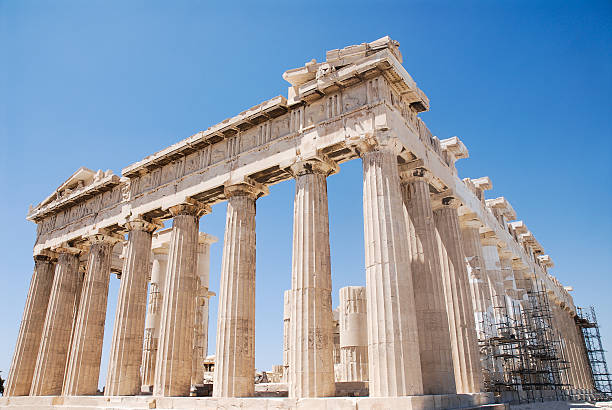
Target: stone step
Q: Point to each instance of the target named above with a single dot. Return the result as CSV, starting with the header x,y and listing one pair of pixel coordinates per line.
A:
x,y
443,402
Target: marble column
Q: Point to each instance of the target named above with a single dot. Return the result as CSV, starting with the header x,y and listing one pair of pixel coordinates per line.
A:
x,y
492,264
311,363
519,271
235,357
353,334
286,334
510,289
393,342
479,286
83,369
123,377
21,372
175,349
336,343
589,383
585,369
200,336
432,320
77,299
54,344
153,318
576,362
567,377
466,357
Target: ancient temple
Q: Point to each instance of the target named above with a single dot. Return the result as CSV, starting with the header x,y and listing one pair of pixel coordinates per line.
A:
x,y
455,285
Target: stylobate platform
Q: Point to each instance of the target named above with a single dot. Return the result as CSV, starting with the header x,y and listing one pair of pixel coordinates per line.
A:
x,y
455,401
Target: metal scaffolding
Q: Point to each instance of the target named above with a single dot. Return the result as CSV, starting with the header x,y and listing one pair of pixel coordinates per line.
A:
x,y
522,353
587,322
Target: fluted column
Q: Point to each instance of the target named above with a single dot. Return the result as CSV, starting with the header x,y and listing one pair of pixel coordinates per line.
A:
x,y
494,276
311,364
21,372
464,343
57,329
589,383
286,333
510,288
575,364
200,336
235,357
479,285
519,272
175,349
393,341
353,334
83,369
567,377
431,316
153,318
581,354
123,377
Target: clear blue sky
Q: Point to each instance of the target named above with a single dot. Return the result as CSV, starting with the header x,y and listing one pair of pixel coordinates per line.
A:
x,y
526,85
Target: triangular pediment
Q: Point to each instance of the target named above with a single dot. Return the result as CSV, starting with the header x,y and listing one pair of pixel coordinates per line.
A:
x,y
80,178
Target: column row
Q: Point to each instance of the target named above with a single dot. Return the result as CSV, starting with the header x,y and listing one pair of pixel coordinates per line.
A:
x,y
420,296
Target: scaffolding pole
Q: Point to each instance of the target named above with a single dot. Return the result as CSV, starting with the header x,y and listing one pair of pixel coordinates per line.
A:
x,y
522,355
602,381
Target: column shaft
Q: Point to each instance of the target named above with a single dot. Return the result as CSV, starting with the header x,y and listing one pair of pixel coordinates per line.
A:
x,y
468,376
286,334
235,358
494,276
431,316
200,337
585,368
175,350
558,326
20,375
479,286
83,369
153,318
353,334
393,342
311,364
54,345
123,377
576,362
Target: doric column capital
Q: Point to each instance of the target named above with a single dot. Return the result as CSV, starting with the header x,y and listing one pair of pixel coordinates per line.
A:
x,y
319,164
41,258
190,207
246,187
444,200
160,253
106,237
141,224
68,249
380,142
46,255
414,171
